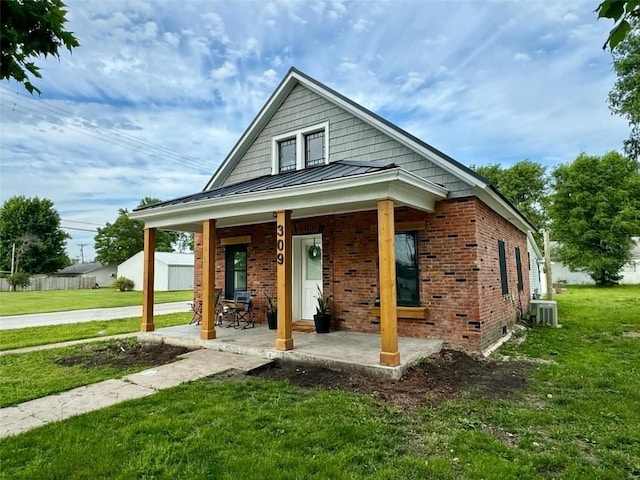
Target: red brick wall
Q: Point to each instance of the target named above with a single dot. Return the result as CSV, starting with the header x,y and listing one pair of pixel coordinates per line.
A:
x,y
459,280
261,264
499,311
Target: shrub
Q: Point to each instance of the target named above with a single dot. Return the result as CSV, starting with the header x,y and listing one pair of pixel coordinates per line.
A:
x,y
19,279
123,284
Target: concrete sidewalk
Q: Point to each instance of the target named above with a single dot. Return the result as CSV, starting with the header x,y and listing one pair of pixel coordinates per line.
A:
x,y
11,322
192,366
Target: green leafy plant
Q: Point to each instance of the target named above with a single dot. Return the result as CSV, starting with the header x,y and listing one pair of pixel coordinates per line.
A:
x,y
272,302
123,284
19,279
323,302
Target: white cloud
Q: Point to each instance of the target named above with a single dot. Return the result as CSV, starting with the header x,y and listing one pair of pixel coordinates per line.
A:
x,y
361,25
226,71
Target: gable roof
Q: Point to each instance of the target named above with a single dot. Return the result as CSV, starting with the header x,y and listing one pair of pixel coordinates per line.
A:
x,y
80,268
485,190
294,77
173,258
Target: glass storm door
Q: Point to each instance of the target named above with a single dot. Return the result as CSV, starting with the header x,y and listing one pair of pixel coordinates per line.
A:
x,y
311,275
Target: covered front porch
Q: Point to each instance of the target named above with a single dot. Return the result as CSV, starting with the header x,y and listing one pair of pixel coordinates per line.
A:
x,y
339,350
277,202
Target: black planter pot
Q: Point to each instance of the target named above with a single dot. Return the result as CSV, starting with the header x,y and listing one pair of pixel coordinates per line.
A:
x,y
323,322
272,320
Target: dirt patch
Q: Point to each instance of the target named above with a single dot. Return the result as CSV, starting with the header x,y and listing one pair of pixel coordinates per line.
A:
x,y
123,355
446,375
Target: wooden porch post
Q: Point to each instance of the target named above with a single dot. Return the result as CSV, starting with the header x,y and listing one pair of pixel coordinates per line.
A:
x,y
284,341
207,324
148,280
389,354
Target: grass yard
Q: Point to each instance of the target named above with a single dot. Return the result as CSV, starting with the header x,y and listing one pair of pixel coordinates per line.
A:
x,y
37,374
27,337
20,303
579,417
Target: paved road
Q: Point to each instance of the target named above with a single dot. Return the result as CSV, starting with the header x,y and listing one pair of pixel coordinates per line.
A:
x,y
10,322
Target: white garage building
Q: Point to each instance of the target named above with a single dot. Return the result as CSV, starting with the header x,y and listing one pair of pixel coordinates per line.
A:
x,y
173,271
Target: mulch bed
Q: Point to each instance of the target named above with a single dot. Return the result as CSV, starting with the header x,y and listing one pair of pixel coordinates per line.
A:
x,y
446,375
123,355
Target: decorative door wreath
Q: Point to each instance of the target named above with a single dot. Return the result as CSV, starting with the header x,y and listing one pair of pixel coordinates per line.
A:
x,y
314,252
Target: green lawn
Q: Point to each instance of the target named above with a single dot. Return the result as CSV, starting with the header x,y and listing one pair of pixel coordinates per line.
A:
x,y
19,303
578,418
27,337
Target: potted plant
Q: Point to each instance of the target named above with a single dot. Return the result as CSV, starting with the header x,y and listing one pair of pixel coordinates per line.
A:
x,y
322,318
272,311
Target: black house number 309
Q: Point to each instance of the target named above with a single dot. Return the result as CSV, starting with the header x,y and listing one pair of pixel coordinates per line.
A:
x,y
280,245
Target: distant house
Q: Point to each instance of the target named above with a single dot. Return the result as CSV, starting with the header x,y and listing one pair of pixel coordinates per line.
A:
x,y
104,274
173,271
630,271
537,280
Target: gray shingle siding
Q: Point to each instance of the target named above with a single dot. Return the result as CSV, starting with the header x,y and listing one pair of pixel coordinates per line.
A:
x,y
349,139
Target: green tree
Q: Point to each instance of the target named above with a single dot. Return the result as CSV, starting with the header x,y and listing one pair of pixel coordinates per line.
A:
x,y
525,184
120,240
623,13
624,98
595,210
33,226
31,28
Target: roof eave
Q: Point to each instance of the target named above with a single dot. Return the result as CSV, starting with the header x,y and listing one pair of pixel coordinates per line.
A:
x,y
326,197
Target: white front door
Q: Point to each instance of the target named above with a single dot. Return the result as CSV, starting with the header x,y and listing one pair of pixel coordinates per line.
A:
x,y
310,264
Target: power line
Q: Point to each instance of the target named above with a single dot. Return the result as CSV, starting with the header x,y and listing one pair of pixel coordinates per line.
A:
x,y
114,138
106,138
49,108
78,221
80,229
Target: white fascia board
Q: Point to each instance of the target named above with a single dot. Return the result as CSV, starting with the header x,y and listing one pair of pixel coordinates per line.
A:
x,y
409,190
534,245
506,211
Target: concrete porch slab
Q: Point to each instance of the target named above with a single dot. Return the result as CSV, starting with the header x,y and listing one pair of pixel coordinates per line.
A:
x,y
338,350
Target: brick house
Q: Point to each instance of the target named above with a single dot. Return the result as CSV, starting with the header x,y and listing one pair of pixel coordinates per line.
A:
x,y
320,193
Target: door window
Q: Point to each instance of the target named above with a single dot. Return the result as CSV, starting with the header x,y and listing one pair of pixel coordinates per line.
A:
x,y
235,269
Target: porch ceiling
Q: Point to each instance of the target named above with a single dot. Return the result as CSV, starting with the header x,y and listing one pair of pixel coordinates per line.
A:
x,y
334,196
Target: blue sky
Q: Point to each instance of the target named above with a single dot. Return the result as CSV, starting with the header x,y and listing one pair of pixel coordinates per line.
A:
x,y
158,92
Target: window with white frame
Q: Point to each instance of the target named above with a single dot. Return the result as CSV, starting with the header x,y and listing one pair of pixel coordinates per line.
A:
x,y
287,155
304,148
314,149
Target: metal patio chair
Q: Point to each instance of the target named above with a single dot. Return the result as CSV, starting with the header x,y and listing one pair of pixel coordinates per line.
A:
x,y
196,308
243,309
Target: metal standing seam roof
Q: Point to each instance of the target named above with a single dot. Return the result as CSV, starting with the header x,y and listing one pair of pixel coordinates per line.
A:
x,y
332,171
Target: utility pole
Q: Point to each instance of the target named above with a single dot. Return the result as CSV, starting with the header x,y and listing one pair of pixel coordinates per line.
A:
x,y
547,265
13,262
13,257
82,245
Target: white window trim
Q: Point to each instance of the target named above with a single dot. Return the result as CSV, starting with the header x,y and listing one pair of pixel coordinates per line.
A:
x,y
300,145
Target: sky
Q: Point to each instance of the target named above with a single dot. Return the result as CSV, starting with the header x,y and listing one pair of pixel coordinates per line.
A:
x,y
159,91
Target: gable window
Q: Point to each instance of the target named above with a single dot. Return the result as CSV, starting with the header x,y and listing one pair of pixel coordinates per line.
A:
x,y
407,281
300,149
519,270
235,269
287,155
314,149
502,256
